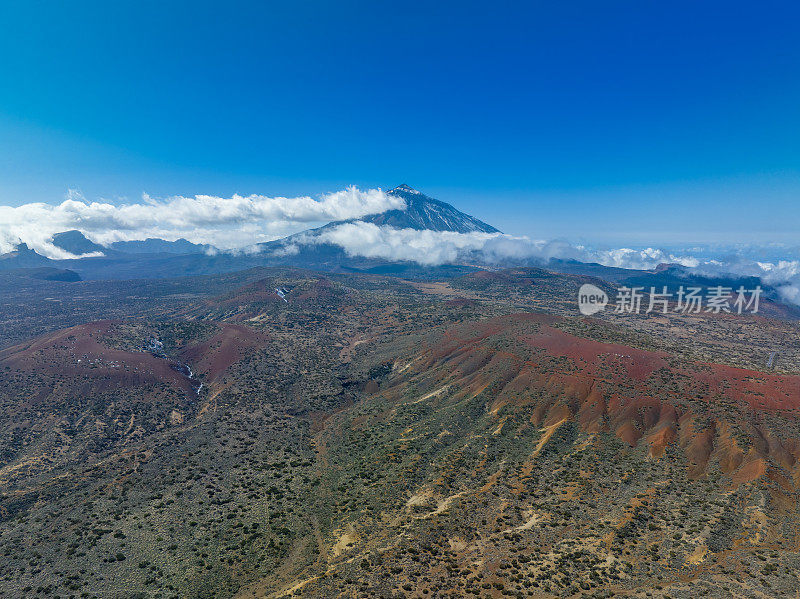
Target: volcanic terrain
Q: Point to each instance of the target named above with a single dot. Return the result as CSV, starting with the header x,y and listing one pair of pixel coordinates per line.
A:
x,y
365,436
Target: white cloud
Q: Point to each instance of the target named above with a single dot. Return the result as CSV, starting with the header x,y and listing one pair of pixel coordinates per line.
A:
x,y
439,247
233,222
241,222
784,275
424,247
436,247
643,259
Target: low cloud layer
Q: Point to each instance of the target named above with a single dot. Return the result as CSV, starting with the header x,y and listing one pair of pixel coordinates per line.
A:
x,y
783,275
424,247
233,222
435,247
440,247
241,222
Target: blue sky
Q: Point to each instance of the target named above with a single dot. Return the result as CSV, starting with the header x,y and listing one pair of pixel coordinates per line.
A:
x,y
630,122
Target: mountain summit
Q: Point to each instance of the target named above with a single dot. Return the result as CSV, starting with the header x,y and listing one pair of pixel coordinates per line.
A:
x,y
76,243
423,212
403,188
21,257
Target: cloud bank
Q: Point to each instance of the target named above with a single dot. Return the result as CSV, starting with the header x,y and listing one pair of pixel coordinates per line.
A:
x,y
439,247
233,222
426,247
432,248
240,223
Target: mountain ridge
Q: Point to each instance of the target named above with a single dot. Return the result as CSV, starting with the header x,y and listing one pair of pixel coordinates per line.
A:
x,y
158,258
77,244
423,212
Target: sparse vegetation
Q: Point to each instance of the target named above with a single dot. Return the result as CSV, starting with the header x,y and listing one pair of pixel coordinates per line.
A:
x,y
375,438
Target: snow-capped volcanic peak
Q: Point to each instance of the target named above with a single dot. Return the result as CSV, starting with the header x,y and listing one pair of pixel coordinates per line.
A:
x,y
405,188
425,213
420,212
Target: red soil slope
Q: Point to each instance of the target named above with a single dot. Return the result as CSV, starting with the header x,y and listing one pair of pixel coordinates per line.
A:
x,y
743,420
77,352
215,355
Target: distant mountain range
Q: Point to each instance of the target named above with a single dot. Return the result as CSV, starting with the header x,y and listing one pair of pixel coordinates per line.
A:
x,y
22,257
77,244
159,246
158,258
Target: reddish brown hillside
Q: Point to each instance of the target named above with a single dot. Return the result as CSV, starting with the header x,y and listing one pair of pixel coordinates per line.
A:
x,y
259,292
270,295
714,413
215,355
79,353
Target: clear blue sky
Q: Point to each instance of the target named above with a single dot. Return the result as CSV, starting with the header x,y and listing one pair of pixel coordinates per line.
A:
x,y
644,120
